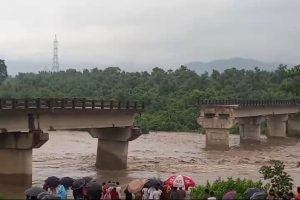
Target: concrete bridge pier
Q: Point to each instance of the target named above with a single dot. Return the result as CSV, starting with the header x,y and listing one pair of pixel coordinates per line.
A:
x,y
217,139
277,125
217,122
16,157
113,146
250,129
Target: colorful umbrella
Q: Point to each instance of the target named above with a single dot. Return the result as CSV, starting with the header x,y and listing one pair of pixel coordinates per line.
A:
x,y
180,181
229,195
135,186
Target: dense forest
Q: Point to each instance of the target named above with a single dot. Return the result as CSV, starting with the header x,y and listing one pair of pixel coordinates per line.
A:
x,y
170,96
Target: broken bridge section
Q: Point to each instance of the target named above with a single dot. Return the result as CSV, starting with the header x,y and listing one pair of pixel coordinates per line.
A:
x,y
24,122
217,117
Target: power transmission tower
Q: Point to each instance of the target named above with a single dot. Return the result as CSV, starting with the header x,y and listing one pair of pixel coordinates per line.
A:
x,y
55,65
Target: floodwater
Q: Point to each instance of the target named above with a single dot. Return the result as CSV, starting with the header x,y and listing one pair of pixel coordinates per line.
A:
x,y
162,154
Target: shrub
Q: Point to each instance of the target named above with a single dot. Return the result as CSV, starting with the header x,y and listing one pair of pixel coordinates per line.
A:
x,y
279,179
220,187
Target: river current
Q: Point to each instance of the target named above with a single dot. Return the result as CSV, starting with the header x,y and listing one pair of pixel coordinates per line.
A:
x,y
162,154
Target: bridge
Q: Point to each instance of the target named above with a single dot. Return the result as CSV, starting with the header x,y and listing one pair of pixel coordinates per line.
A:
x,y
217,117
24,122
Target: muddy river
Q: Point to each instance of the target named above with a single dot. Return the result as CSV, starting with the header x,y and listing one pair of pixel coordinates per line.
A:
x,y
162,154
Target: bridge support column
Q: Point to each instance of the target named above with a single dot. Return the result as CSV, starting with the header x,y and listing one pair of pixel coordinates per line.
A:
x,y
113,146
16,159
217,139
250,129
111,154
217,122
293,126
277,125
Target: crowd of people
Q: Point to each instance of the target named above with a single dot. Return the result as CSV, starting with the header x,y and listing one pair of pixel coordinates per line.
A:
x,y
89,189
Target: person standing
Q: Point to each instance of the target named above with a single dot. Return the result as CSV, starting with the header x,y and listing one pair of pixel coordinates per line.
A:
x,y
118,189
212,196
114,194
271,195
60,191
174,194
188,193
157,193
128,195
150,192
181,193
206,194
298,194
145,193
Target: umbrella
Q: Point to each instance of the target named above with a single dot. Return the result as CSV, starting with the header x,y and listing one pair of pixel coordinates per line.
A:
x,y
180,181
135,186
229,195
154,182
261,195
87,179
67,181
94,186
51,197
78,184
52,181
249,192
34,191
42,195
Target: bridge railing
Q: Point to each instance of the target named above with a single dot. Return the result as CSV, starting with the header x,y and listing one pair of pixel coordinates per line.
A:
x,y
249,102
68,103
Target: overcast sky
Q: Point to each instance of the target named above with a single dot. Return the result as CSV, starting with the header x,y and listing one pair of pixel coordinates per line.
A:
x,y
147,33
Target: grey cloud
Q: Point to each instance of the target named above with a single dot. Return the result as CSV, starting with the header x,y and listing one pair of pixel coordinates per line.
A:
x,y
149,33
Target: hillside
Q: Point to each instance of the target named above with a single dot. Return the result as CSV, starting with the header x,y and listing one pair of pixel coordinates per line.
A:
x,y
238,63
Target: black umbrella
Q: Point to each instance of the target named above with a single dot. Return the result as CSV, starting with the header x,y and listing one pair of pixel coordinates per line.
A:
x,y
154,182
78,184
67,181
42,195
87,179
52,181
249,192
51,197
259,196
94,186
34,191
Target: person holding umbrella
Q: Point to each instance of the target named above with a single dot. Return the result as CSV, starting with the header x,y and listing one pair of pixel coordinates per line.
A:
x,y
55,187
94,190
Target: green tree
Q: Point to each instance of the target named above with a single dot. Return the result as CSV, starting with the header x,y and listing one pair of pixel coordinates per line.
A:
x,y
279,179
3,71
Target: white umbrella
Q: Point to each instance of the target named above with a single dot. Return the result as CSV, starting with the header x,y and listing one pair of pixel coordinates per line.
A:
x,y
178,182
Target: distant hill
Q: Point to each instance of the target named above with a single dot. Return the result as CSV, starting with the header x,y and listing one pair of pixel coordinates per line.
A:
x,y
239,63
